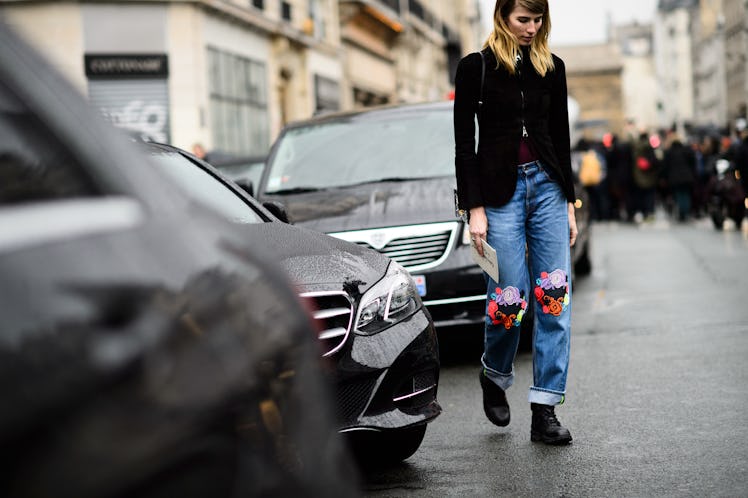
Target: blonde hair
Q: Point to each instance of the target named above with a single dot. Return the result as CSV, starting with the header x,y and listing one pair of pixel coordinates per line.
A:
x,y
505,45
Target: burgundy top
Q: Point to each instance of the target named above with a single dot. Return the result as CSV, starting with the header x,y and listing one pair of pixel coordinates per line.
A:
x,y
526,154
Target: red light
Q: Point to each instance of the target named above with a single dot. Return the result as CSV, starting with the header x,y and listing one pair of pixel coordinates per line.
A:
x,y
608,140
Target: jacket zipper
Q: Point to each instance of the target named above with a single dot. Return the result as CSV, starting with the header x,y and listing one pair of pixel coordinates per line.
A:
x,y
522,95
524,130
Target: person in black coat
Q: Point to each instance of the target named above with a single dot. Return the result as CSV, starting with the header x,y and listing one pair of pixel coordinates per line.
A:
x,y
741,159
619,160
517,188
679,172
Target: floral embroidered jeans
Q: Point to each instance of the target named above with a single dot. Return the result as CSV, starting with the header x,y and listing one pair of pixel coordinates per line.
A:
x,y
535,218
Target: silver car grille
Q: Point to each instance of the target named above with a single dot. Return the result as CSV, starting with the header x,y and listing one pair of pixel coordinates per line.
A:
x,y
415,247
333,313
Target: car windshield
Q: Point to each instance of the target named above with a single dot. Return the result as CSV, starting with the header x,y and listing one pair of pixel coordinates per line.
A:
x,y
204,187
360,150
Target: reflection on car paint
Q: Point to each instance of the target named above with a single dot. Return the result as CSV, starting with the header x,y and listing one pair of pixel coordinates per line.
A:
x,y
381,350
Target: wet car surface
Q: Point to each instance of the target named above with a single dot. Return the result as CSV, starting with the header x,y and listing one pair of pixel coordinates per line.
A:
x,y
146,348
373,330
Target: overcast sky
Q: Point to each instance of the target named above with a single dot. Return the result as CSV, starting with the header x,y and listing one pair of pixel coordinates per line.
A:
x,y
584,21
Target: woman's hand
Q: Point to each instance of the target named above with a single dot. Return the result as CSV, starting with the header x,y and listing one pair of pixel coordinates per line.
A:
x,y
572,225
478,227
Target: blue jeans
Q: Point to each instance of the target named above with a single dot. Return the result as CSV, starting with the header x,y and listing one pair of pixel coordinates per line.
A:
x,y
537,218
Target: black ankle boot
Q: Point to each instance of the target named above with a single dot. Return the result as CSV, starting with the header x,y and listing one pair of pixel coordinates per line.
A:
x,y
494,402
546,427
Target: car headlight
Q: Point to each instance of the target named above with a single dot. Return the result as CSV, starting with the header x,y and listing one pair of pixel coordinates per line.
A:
x,y
389,301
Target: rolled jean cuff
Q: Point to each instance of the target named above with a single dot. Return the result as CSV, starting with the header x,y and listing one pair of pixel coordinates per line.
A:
x,y
545,397
502,380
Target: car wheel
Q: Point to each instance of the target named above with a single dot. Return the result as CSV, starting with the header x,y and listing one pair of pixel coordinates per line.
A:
x,y
386,448
583,266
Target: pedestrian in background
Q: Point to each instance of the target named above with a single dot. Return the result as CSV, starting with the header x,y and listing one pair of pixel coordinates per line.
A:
x,y
679,173
593,176
702,177
618,161
710,149
741,159
519,193
645,173
725,193
199,152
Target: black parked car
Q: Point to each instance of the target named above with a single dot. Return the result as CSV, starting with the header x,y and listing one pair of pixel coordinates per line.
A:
x,y
372,325
384,178
146,348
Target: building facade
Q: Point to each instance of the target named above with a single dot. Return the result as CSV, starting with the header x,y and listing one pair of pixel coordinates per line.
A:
x,y
638,81
594,75
688,70
709,76
231,73
735,13
674,63
717,35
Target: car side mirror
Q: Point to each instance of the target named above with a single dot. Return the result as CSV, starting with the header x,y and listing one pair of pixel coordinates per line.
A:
x,y
247,186
278,210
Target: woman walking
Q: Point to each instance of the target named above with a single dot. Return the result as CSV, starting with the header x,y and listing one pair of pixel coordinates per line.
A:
x,y
518,191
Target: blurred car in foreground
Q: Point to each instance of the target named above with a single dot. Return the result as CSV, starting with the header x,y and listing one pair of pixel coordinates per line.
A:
x,y
384,178
372,325
146,348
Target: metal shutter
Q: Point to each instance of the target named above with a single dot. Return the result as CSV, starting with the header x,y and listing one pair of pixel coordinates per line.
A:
x,y
138,105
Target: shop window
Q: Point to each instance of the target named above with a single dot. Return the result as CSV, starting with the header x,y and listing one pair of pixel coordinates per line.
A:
x,y
365,98
326,95
238,104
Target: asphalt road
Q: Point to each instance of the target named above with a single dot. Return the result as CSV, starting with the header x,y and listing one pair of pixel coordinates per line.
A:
x,y
657,397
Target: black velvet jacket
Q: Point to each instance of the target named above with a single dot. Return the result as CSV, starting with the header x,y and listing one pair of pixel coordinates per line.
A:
x,y
489,177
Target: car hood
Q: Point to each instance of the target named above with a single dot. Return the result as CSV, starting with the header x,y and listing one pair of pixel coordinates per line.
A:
x,y
375,205
315,261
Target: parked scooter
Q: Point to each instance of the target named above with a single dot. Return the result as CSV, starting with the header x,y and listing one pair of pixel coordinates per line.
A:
x,y
726,197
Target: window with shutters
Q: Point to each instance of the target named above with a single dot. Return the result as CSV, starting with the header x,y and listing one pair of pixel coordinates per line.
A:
x,y
238,104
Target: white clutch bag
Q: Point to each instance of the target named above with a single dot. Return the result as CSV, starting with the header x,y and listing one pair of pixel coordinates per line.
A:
x,y
488,261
